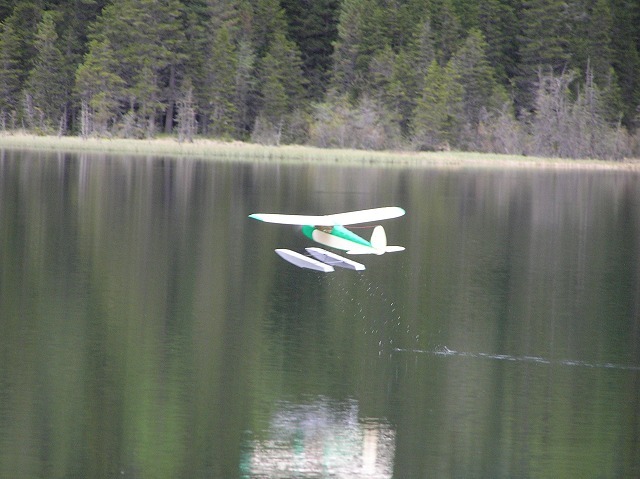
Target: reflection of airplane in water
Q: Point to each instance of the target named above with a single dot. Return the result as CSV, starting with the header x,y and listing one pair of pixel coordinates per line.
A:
x,y
322,439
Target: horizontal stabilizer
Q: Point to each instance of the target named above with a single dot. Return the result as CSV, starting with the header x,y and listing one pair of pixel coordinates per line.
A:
x,y
303,261
370,250
334,259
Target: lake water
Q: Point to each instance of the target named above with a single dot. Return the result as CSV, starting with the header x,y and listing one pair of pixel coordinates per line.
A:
x,y
148,329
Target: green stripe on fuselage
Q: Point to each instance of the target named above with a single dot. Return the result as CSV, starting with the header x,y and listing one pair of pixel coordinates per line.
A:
x,y
339,231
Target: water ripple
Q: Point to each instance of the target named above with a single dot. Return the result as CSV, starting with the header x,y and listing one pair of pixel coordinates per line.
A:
x,y
445,351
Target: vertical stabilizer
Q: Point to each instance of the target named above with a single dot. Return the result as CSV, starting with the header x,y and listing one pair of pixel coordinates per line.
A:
x,y
379,238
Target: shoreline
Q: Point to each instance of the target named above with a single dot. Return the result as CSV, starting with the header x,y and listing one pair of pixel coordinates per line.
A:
x,y
239,151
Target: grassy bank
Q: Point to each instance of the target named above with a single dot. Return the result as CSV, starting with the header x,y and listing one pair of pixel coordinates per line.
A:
x,y
238,151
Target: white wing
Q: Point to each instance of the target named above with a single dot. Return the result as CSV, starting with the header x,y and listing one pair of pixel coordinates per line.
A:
x,y
300,220
342,219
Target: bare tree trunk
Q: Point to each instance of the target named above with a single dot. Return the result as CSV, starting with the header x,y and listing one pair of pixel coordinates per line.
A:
x,y
85,120
168,122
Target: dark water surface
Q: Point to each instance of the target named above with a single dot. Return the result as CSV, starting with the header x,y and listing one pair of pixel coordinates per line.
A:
x,y
148,330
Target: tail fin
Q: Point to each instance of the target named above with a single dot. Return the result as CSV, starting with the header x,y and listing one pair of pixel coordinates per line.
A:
x,y
378,244
379,238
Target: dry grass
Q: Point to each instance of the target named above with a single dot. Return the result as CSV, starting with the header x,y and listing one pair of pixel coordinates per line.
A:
x,y
239,151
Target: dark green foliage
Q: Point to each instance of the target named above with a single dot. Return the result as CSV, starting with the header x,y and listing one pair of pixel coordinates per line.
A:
x,y
482,94
447,30
347,48
498,23
269,19
282,86
625,42
100,87
147,35
591,42
220,85
435,73
543,44
23,25
49,82
438,115
361,35
312,25
9,70
6,7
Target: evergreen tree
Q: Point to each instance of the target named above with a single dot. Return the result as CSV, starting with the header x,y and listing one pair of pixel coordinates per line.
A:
x,y
197,30
404,88
345,55
439,110
447,31
312,26
612,104
148,37
23,25
410,19
380,73
543,44
221,85
269,20
482,93
282,89
6,7
591,41
468,12
245,94
48,83
9,72
423,50
499,26
99,87
625,40
354,48
394,86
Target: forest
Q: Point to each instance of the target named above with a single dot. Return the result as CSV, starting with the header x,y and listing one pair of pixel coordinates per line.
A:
x,y
556,78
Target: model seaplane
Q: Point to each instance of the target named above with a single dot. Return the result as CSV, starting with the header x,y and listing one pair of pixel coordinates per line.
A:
x,y
329,230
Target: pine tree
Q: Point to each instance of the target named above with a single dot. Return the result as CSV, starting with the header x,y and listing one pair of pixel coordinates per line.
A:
x,y
282,89
148,37
9,71
468,12
48,83
481,90
625,40
221,85
345,55
590,42
423,49
499,26
438,113
543,44
394,86
447,31
404,88
23,22
353,48
246,96
312,26
6,7
269,20
99,87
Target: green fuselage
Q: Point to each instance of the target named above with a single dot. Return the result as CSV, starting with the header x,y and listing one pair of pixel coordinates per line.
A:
x,y
338,231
